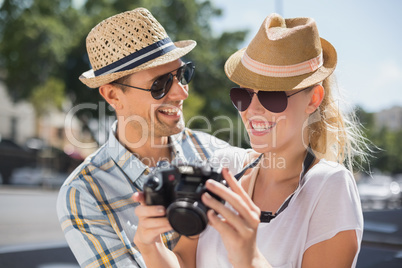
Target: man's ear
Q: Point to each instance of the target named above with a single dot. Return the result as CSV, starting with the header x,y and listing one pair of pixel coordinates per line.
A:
x,y
316,99
111,94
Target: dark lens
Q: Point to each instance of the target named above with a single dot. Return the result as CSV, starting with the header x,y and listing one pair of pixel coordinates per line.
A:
x,y
274,101
161,86
241,98
185,73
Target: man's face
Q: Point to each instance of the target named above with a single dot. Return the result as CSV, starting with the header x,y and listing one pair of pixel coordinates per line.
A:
x,y
145,117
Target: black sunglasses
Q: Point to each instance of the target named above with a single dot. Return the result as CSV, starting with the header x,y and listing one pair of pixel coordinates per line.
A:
x,y
161,86
274,101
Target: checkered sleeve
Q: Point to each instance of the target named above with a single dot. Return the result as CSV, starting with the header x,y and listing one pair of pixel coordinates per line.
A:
x,y
93,237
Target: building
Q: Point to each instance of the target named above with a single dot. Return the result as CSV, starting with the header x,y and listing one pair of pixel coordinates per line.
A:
x,y
389,118
17,120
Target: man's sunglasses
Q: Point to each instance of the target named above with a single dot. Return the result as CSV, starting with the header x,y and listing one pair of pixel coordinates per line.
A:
x,y
161,86
274,101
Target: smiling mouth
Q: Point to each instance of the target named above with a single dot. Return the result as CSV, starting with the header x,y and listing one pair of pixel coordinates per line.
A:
x,y
172,111
261,126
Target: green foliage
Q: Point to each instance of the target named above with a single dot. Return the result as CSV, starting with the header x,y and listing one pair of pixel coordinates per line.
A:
x,y
49,95
387,157
43,43
35,38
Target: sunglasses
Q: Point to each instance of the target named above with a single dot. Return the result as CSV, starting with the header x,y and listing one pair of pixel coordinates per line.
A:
x,y
273,101
161,86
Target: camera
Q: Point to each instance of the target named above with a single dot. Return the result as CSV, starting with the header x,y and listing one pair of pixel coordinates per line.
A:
x,y
179,189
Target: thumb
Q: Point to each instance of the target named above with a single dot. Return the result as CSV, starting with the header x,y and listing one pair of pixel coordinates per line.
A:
x,y
138,197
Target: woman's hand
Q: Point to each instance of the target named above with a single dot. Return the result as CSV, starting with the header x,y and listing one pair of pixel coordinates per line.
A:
x,y
238,228
151,222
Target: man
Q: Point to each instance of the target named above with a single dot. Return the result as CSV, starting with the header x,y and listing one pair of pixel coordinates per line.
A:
x,y
139,73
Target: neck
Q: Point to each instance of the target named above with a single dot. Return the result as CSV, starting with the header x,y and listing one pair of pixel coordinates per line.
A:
x,y
282,165
148,150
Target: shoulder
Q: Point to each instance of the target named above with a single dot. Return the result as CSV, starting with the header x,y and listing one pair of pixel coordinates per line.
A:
x,y
234,158
329,180
93,162
207,140
328,172
82,185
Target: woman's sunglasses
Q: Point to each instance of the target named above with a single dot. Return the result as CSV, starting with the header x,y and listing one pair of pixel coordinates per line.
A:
x,y
161,86
273,101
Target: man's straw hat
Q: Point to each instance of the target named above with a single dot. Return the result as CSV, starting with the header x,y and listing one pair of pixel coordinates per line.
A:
x,y
126,43
286,54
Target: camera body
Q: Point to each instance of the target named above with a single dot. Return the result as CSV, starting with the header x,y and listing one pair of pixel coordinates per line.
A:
x,y
179,189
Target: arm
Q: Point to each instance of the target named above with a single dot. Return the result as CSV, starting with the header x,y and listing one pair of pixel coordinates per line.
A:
x,y
148,240
92,239
336,223
337,252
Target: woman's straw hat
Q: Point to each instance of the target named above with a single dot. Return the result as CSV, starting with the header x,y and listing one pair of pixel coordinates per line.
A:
x,y
126,43
286,54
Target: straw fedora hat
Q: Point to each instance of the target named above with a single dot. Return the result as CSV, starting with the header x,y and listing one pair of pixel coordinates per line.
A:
x,y
126,43
286,54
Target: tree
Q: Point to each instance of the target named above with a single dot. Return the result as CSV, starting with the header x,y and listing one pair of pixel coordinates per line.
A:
x,y
45,40
387,156
35,37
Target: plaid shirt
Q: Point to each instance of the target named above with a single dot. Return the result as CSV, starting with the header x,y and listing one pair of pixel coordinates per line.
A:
x,y
95,208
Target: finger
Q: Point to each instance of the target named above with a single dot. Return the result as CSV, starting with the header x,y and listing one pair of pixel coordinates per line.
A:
x,y
138,197
156,223
233,184
221,225
143,211
236,187
219,208
247,211
149,236
158,231
237,221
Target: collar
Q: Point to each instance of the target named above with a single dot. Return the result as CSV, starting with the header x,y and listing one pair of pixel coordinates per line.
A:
x,y
131,166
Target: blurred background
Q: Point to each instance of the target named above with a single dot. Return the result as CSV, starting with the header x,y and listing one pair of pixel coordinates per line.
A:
x,y
50,121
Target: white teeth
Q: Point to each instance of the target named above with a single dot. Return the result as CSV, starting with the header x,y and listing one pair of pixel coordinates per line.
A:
x,y
261,126
170,111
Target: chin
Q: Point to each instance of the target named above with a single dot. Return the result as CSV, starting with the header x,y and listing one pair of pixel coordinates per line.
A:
x,y
261,149
171,130
260,144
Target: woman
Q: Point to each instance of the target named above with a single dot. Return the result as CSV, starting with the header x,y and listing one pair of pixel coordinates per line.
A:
x,y
284,99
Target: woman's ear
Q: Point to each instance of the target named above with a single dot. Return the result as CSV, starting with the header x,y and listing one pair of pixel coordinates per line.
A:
x,y
111,94
316,99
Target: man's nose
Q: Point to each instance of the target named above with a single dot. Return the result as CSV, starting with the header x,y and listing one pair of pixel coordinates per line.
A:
x,y
177,91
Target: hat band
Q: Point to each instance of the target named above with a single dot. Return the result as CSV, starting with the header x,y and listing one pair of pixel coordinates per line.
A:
x,y
282,70
139,57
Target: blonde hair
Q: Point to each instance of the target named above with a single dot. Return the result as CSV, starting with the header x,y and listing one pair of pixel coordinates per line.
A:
x,y
336,135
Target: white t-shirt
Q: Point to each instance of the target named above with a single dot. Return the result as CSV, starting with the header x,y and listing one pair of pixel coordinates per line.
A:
x,y
325,204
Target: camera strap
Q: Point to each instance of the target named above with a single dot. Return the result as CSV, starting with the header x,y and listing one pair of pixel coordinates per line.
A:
x,y
267,216
251,165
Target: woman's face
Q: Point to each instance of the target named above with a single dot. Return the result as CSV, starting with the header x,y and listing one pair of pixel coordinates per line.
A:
x,y
273,132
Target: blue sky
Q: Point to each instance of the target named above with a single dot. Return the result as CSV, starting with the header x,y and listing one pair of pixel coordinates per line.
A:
x,y
366,33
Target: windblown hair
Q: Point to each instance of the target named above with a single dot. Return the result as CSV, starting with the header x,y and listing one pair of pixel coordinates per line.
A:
x,y
336,135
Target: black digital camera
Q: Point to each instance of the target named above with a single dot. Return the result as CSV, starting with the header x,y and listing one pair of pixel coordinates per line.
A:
x,y
179,189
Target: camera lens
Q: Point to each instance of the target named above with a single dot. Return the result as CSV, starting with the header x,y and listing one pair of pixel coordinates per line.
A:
x,y
187,218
